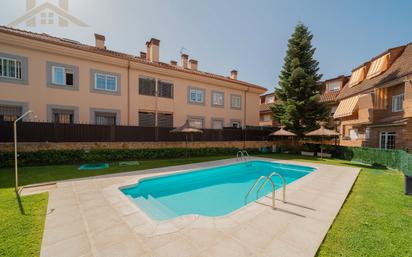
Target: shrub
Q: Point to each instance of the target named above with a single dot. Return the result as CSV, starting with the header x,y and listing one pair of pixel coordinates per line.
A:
x,y
49,157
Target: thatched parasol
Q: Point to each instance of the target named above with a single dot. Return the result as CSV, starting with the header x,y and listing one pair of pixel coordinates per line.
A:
x,y
282,133
186,129
322,132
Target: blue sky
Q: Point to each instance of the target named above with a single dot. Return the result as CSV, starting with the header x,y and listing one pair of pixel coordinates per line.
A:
x,y
250,36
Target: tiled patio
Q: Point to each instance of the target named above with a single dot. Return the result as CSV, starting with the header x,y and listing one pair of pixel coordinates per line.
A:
x,y
91,217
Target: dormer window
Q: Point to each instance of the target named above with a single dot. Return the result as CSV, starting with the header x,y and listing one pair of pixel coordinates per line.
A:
x,y
333,86
357,76
378,66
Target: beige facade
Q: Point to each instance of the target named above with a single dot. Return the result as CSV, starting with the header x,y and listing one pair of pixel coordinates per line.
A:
x,y
107,84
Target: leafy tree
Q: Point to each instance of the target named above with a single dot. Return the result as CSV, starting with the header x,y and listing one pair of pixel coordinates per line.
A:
x,y
298,106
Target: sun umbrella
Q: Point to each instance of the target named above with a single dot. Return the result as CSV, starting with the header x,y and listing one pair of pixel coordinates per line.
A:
x,y
187,130
282,133
322,132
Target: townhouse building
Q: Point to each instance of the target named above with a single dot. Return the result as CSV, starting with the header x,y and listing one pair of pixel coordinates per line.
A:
x,y
62,80
375,105
266,115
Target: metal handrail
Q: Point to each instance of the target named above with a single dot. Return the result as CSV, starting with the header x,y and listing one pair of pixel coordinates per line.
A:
x,y
254,185
241,155
246,154
270,178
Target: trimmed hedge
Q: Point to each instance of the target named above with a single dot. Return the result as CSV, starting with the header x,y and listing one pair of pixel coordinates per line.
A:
x,y
53,157
395,159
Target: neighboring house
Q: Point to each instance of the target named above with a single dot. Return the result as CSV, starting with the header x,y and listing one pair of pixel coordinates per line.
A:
x,y
375,106
330,91
266,115
65,81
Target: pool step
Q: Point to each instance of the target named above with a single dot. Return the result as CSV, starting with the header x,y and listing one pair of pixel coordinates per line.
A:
x,y
156,209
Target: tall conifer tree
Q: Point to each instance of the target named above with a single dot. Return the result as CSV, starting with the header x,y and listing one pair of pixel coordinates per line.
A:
x,y
299,85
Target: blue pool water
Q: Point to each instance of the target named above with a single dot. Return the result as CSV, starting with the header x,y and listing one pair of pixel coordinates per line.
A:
x,y
209,192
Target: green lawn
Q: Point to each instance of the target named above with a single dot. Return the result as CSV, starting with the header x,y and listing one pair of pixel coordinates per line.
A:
x,y
376,219
22,219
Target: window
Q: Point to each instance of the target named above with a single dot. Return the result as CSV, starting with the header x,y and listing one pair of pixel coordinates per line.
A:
x,y
236,102
105,118
10,68
196,95
105,82
147,119
218,99
397,103
51,18
333,86
235,124
353,134
62,76
10,113
269,99
165,120
43,17
147,86
63,116
196,122
267,117
164,89
217,124
387,140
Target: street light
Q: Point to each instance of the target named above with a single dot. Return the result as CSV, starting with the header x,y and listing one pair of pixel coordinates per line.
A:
x,y
15,147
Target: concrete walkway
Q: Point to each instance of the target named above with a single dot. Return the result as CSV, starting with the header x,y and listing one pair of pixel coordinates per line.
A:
x,y
91,217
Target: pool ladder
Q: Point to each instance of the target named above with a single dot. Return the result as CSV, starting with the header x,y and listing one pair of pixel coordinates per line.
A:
x,y
268,179
242,155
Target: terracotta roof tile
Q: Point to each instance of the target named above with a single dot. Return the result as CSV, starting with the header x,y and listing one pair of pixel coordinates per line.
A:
x,y
77,45
400,68
329,96
265,107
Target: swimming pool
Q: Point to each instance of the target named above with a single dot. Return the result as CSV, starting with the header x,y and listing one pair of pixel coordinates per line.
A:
x,y
213,191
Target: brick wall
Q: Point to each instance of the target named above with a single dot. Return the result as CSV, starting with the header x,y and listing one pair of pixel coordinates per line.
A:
x,y
32,147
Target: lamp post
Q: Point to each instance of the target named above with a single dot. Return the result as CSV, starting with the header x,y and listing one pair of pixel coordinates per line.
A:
x,y
15,147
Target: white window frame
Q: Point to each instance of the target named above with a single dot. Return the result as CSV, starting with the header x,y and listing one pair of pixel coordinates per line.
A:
x,y
65,71
386,135
334,86
397,103
216,103
355,132
17,68
217,121
269,99
232,103
198,92
106,76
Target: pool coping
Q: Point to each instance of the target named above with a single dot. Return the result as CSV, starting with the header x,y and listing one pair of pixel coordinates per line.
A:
x,y
91,217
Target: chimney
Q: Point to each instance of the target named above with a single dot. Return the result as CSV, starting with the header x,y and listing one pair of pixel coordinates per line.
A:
x,y
183,60
30,4
233,74
153,50
100,39
64,4
143,55
193,64
174,63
